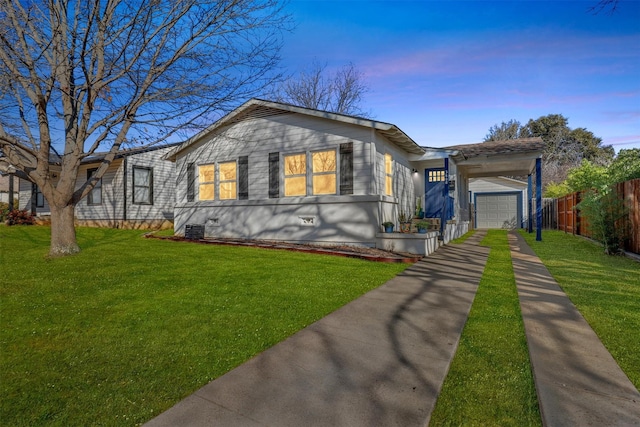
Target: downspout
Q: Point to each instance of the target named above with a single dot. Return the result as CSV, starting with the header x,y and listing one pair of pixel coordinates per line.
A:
x,y
124,183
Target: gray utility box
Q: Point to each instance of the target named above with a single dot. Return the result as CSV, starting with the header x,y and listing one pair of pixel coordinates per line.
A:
x,y
194,231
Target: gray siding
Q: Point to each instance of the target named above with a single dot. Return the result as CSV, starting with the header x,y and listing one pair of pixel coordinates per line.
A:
x,y
112,194
164,186
112,208
336,218
285,134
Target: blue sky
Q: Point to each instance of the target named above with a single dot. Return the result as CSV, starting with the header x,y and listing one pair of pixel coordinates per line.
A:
x,y
445,72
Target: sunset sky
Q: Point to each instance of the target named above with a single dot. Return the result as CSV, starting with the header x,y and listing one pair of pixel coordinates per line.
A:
x,y
446,71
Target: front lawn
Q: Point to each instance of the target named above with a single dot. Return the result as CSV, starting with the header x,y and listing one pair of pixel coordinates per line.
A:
x,y
128,327
606,290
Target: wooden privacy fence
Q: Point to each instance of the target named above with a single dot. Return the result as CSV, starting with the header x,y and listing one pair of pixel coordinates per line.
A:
x,y
569,220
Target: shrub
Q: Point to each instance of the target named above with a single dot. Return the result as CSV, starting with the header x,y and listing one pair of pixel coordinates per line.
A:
x,y
4,211
18,217
605,211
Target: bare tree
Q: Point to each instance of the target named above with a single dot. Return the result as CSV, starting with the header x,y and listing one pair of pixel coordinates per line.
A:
x,y
315,87
103,75
603,5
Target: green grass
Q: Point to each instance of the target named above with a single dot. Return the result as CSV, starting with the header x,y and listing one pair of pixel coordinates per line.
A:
x,y
606,290
129,326
464,237
490,380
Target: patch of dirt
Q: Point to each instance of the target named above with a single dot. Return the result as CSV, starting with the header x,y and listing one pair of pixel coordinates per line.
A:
x,y
344,250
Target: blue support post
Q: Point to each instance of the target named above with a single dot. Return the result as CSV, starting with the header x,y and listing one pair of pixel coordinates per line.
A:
x,y
539,199
530,205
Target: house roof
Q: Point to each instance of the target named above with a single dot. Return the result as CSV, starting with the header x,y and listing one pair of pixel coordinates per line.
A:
x,y
515,157
98,157
511,146
257,108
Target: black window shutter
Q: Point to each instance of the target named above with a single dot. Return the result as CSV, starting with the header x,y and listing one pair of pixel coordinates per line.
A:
x,y
191,182
274,175
346,168
243,177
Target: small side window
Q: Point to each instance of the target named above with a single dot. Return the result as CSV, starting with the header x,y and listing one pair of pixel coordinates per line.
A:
x,y
95,196
388,172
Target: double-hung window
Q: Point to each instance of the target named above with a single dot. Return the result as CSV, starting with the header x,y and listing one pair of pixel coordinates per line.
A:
x,y
95,196
142,185
324,172
206,182
388,174
227,180
295,175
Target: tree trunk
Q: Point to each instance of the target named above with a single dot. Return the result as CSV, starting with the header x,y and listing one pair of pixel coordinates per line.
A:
x,y
63,232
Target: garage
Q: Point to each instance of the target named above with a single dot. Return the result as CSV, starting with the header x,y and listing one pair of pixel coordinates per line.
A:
x,y
498,210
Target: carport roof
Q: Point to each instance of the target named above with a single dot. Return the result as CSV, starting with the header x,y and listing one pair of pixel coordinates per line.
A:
x,y
515,157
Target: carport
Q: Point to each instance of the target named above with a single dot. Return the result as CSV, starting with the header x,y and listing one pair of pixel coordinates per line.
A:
x,y
516,157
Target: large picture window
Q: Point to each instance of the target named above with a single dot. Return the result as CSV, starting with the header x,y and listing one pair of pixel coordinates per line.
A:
x,y
206,182
324,172
95,196
142,185
388,173
228,180
295,175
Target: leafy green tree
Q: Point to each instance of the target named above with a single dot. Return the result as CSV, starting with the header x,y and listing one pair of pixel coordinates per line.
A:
x,y
556,189
587,176
625,166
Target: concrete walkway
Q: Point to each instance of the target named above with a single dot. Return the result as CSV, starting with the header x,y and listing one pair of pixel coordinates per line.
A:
x,y
379,360
382,359
577,380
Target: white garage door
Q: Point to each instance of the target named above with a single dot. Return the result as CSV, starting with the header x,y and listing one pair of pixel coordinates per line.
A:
x,y
497,211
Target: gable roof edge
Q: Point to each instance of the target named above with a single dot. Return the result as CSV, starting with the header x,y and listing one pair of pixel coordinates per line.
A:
x,y
388,130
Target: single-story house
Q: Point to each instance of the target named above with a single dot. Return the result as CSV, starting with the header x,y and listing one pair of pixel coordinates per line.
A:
x,y
499,202
137,191
276,171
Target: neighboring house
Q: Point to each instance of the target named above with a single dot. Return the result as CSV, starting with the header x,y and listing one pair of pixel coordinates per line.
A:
x,y
5,187
499,202
137,191
276,171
